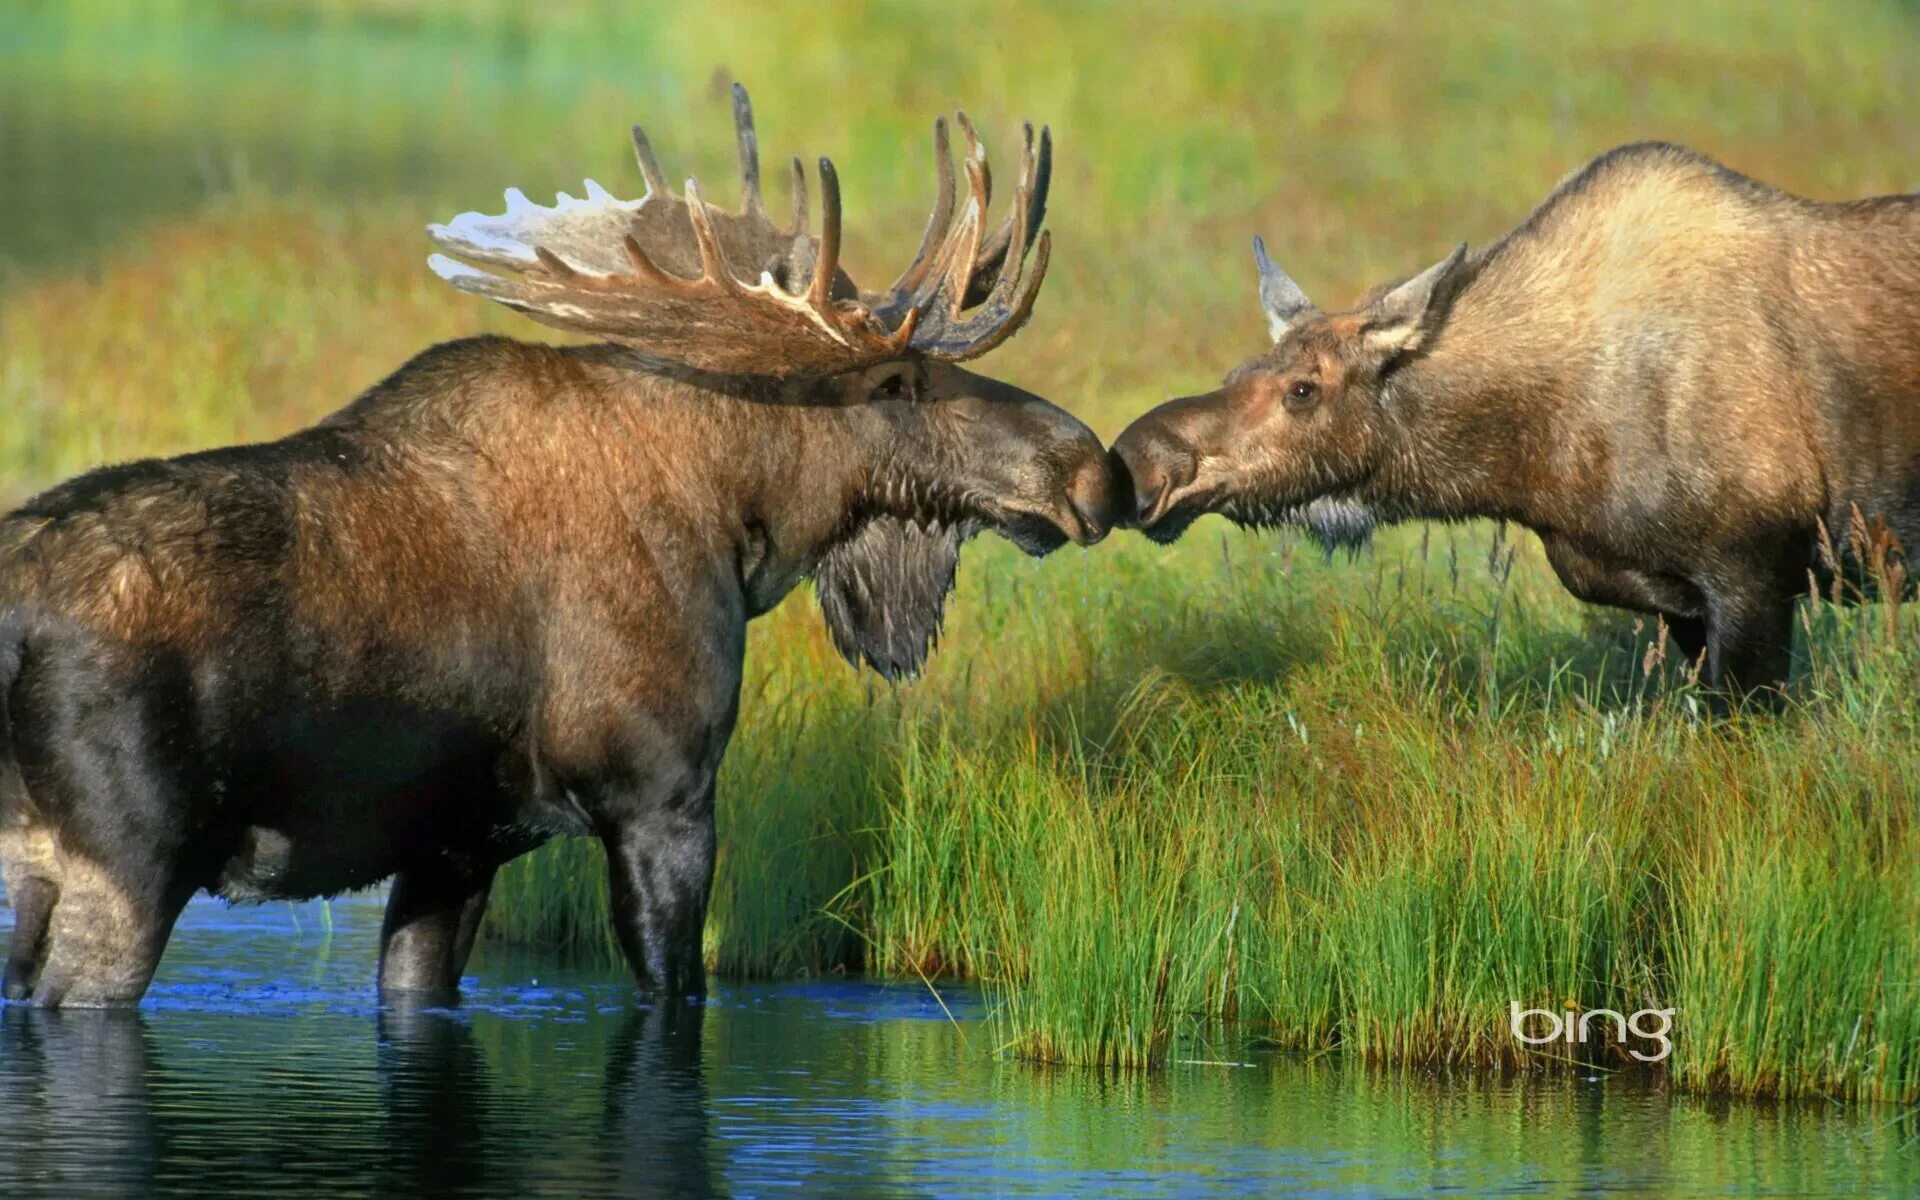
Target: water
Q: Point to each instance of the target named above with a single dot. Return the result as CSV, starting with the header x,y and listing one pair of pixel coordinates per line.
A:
x,y
262,1063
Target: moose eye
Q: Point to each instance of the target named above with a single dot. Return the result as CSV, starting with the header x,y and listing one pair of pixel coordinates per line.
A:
x,y
893,387
1302,392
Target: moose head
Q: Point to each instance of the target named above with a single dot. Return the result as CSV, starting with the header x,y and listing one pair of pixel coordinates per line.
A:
x,y
1293,436
736,305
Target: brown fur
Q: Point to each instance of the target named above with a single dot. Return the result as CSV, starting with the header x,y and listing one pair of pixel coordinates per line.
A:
x,y
501,596
1673,373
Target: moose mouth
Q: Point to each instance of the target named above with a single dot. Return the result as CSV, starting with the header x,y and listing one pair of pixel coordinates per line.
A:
x,y
1081,511
1041,532
1175,511
1079,515
1334,522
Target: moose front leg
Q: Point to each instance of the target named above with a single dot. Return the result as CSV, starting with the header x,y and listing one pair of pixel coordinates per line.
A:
x,y
1749,647
1677,603
433,915
659,874
1688,637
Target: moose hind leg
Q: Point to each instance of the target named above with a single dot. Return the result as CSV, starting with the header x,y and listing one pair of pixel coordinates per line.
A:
x,y
432,919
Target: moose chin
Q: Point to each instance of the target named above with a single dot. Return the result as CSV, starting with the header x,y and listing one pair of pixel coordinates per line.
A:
x,y
503,595
1690,385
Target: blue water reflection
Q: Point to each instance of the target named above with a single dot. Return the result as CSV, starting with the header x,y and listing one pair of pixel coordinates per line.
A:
x,y
262,1063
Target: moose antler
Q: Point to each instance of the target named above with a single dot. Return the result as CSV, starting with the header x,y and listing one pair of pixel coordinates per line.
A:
x,y
952,269
659,273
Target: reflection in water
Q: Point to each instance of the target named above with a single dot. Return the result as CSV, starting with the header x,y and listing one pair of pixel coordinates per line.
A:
x,y
434,1089
75,1103
452,1127
262,1063
656,1104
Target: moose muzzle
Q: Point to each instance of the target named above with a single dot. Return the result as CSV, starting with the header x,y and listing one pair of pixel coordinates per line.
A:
x,y
1155,467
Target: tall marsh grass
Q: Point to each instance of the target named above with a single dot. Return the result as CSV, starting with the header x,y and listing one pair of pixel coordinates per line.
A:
x,y
1356,806
1459,793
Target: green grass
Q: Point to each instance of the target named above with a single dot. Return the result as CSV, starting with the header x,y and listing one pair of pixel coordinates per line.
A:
x,y
1356,806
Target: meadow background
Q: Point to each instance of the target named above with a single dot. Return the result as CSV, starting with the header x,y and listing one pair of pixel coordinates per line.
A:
x,y
1355,807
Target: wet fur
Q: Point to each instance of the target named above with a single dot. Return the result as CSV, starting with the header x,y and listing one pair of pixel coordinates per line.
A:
x,y
500,597
883,591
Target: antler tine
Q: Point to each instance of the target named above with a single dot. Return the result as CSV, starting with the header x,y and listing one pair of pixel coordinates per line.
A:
x,y
1035,177
649,163
904,288
976,153
646,272
1013,250
713,264
964,244
556,266
799,197
827,262
1042,180
750,200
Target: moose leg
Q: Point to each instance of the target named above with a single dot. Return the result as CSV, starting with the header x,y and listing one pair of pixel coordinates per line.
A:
x,y
432,918
1600,582
26,859
33,899
108,928
1688,637
1749,646
659,874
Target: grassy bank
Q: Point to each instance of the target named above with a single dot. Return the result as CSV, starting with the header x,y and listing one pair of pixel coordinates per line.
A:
x,y
1358,808
1359,805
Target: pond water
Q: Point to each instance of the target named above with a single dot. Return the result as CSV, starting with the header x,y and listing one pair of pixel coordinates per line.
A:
x,y
262,1063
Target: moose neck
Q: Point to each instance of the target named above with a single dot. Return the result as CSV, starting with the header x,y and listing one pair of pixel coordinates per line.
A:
x,y
726,479
800,486
1477,420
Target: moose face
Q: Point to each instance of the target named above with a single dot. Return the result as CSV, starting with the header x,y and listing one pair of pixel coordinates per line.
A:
x,y
970,450
1290,437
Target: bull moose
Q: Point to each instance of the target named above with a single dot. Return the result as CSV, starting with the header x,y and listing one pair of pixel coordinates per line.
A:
x,y
1685,381
503,595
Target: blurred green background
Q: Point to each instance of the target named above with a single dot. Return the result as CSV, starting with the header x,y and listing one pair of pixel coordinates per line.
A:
x,y
162,139
1363,802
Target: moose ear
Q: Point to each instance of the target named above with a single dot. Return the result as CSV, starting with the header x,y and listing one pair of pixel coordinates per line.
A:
x,y
1280,296
1401,321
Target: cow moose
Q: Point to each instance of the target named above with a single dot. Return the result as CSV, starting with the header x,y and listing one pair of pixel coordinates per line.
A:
x,y
503,595
1686,382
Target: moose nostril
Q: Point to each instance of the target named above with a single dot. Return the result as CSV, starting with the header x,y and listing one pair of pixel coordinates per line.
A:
x,y
1154,467
1091,495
